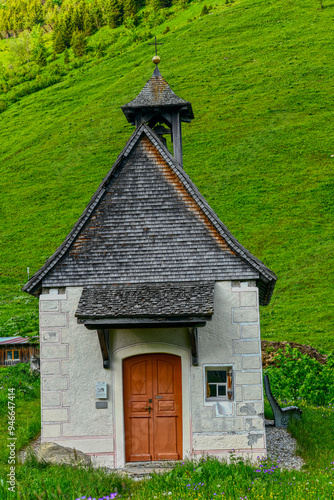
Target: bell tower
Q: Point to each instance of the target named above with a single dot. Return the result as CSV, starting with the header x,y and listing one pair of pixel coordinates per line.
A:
x,y
161,109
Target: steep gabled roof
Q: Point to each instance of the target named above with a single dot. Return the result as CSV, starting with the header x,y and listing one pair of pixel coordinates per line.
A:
x,y
147,222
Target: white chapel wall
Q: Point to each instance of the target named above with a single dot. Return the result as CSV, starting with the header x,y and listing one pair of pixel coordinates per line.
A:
x,y
71,364
231,338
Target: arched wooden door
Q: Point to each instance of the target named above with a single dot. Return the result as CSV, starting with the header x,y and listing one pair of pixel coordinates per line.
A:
x,y
152,392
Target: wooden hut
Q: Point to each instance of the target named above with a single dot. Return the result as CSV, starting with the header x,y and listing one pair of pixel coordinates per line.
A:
x,y
14,350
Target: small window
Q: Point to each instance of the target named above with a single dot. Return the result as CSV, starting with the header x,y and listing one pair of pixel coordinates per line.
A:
x,y
13,354
218,383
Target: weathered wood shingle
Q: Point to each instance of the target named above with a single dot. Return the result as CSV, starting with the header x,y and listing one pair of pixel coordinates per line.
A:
x,y
146,300
157,94
148,223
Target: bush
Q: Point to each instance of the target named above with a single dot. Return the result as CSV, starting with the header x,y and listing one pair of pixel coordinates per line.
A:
x,y
205,10
297,376
3,105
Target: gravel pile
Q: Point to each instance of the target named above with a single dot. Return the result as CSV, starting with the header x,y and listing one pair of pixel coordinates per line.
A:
x,y
282,447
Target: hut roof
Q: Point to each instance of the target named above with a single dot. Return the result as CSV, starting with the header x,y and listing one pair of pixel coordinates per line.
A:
x,y
14,340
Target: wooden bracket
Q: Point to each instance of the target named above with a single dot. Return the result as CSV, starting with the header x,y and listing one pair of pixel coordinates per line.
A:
x,y
104,344
194,345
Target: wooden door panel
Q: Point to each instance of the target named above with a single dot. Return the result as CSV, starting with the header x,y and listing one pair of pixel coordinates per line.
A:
x,y
140,440
152,407
165,433
137,390
166,406
138,377
165,377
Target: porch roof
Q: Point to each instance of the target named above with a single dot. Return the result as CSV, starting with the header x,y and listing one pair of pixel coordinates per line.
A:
x,y
148,303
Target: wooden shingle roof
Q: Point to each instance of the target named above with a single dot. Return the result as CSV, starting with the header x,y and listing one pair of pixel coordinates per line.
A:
x,y
148,300
148,223
157,94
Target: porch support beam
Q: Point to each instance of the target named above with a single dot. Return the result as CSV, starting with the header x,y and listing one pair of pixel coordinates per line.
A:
x,y
194,345
104,345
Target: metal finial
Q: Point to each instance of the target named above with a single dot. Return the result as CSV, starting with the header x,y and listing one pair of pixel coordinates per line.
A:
x,y
156,59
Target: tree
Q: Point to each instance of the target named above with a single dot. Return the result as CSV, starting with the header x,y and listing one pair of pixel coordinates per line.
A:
x,y
63,32
130,8
41,55
68,26
97,14
78,43
114,13
38,48
89,23
79,16
49,12
21,47
35,13
58,42
66,57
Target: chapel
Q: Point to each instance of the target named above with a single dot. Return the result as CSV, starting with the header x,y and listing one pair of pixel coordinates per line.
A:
x,y
149,311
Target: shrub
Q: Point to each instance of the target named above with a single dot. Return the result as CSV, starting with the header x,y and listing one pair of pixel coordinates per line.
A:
x,y
297,376
3,105
205,10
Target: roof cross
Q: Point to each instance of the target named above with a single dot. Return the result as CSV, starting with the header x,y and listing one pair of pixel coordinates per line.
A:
x,y
156,43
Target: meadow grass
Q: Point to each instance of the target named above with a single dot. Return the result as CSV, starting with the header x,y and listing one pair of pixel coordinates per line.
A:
x,y
259,76
206,479
17,381
315,435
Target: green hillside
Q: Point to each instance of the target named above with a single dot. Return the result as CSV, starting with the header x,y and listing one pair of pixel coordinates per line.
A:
x,y
259,76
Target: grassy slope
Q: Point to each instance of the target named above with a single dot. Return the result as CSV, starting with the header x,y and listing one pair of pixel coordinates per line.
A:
x,y
259,76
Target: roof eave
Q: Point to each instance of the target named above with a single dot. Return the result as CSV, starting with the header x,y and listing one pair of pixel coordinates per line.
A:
x,y
185,109
144,322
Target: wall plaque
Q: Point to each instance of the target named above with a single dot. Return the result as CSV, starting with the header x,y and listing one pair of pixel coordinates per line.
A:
x,y
101,404
101,390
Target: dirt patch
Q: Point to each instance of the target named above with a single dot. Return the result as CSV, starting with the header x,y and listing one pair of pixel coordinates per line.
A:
x,y
269,350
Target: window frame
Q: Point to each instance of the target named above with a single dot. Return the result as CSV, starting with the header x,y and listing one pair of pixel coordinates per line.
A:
x,y
13,356
229,383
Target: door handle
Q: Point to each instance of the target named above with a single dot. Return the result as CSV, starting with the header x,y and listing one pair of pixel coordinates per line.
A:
x,y
148,408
